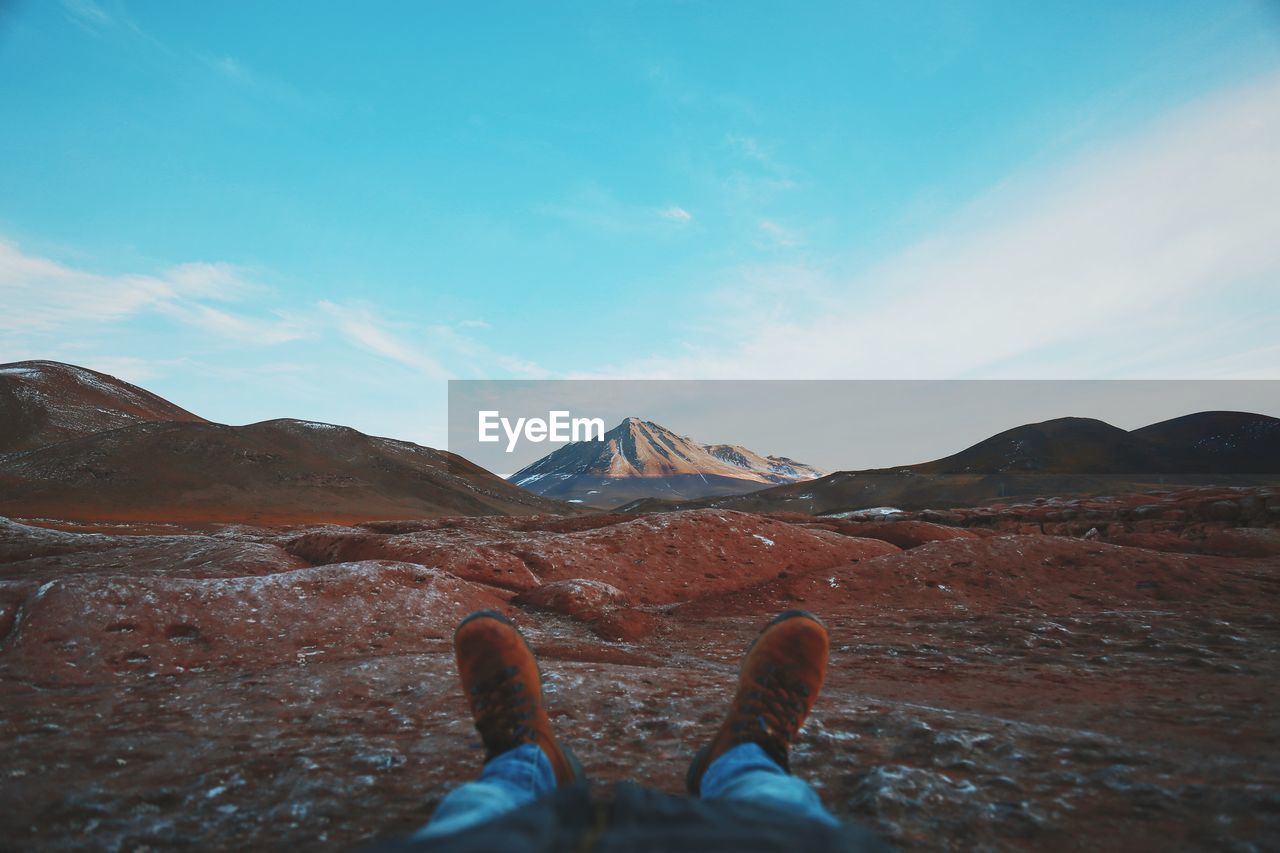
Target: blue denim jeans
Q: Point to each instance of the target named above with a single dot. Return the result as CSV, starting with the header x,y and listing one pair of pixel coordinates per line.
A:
x,y
524,774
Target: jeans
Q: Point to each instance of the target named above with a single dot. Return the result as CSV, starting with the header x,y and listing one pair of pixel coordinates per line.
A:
x,y
524,774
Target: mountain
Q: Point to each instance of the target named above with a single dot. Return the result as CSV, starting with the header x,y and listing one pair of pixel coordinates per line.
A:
x,y
638,459
1064,456
774,469
43,402
113,451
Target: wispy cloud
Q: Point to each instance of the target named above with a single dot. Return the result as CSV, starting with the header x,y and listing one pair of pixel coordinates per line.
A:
x,y
750,148
212,280
779,235
1090,271
235,71
92,17
359,324
600,210
475,359
437,351
232,69
256,82
45,297
128,368
682,93
95,19
759,175
276,328
87,14
55,310
42,295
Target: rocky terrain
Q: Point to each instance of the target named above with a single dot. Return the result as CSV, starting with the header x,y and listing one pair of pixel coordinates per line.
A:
x,y
236,637
640,459
1055,674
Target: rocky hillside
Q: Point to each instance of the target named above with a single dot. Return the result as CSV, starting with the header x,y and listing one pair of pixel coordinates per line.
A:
x,y
83,445
44,402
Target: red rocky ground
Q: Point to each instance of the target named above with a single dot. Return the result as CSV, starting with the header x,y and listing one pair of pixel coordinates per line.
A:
x,y
998,680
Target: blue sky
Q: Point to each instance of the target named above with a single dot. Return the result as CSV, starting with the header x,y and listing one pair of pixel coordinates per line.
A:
x,y
315,210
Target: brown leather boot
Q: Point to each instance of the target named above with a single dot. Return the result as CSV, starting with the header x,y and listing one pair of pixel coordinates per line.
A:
x,y
777,686
500,677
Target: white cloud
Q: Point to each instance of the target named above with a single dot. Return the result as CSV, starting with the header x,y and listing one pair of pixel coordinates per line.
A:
x,y
252,80
211,280
779,235
600,210
232,69
41,295
425,350
750,148
93,18
596,208
86,13
260,331
1151,257
256,82
360,325
128,368
478,359
47,299
761,177
58,311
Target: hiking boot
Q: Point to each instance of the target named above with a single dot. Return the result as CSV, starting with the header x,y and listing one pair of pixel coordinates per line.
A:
x,y
500,677
777,685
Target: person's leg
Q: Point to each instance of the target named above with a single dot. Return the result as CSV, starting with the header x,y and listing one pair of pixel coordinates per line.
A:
x,y
746,772
778,682
513,779
523,759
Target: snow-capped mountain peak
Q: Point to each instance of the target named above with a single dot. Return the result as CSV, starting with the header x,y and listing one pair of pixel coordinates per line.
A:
x,y
641,458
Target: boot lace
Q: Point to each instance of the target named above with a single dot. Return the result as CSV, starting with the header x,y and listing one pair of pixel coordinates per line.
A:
x,y
772,714
502,708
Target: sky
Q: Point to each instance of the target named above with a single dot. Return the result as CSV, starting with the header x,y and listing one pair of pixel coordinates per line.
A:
x,y
327,210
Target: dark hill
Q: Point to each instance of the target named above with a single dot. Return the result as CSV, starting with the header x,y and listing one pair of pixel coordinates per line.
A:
x,y
280,471
1063,446
43,402
1227,442
75,443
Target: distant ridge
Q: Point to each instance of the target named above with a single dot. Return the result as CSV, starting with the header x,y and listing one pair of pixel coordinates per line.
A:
x,y
1063,456
83,445
639,458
